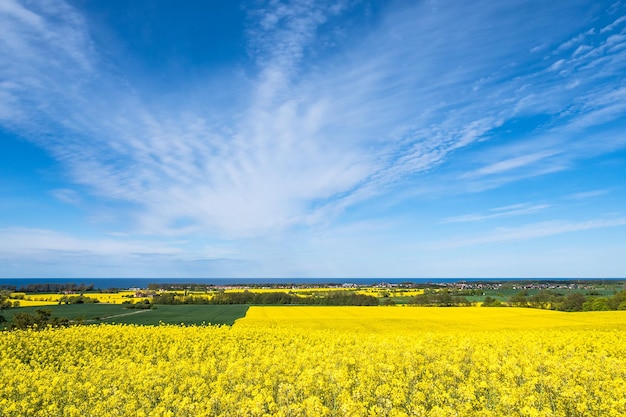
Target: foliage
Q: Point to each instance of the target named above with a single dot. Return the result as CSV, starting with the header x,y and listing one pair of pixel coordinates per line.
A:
x,y
442,298
40,320
77,299
575,301
5,301
269,298
519,300
52,287
492,302
144,305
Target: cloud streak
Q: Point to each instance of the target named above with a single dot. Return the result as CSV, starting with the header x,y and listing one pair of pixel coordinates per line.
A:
x,y
47,253
533,231
499,212
315,131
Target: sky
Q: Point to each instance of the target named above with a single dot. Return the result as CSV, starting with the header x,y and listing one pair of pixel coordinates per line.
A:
x,y
312,138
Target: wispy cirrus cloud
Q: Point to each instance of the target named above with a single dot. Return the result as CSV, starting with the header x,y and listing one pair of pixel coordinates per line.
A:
x,y
532,231
315,130
46,253
584,195
498,212
511,164
28,241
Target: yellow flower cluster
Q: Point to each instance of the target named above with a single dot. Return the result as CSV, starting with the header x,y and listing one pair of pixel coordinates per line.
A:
x,y
269,368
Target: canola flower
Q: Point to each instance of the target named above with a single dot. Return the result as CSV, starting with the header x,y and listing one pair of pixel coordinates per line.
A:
x,y
276,363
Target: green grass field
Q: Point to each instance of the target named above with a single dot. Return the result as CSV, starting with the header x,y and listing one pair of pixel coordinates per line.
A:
x,y
116,313
503,294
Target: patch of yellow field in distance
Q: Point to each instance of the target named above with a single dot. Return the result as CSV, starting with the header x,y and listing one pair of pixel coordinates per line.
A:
x,y
290,290
426,319
37,299
43,297
33,303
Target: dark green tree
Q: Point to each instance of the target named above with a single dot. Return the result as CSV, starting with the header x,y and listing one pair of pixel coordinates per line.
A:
x,y
40,320
492,302
519,300
543,299
596,304
5,300
619,299
573,302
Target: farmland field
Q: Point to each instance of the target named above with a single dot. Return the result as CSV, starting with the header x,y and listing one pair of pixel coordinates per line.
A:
x,y
36,299
326,361
427,319
168,314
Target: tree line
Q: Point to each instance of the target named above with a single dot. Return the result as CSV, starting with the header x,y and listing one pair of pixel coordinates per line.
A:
x,y
442,298
78,299
40,320
332,298
547,299
5,303
51,287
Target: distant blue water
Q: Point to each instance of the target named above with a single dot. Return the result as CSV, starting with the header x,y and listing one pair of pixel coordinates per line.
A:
x,y
104,283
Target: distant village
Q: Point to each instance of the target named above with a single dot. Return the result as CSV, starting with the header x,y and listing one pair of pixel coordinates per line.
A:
x,y
565,284
460,285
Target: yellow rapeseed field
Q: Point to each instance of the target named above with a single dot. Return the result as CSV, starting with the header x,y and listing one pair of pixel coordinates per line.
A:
x,y
326,361
28,300
427,319
34,303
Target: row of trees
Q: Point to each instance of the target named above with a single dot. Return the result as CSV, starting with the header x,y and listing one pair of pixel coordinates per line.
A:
x,y
5,303
53,287
78,299
443,298
544,299
552,300
40,320
270,298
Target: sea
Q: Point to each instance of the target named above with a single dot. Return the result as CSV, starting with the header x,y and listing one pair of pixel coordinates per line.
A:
x,y
124,283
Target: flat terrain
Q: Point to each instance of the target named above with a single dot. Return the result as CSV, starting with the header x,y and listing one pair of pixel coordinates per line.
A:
x,y
321,361
116,313
427,319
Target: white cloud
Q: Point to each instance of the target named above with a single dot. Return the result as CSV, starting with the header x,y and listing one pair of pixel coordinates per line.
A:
x,y
533,231
498,212
571,42
613,25
23,241
66,195
309,140
588,194
511,164
50,253
557,65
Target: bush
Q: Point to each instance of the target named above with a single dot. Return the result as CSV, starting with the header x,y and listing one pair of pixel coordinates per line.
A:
x,y
492,302
41,320
78,299
138,306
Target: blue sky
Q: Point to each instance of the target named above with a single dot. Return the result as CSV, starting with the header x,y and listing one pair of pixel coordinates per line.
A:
x,y
312,139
